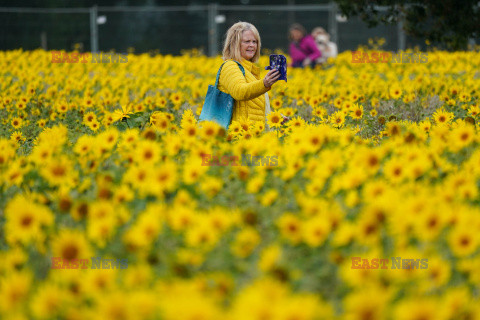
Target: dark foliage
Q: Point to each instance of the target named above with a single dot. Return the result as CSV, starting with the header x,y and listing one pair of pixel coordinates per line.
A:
x,y
448,23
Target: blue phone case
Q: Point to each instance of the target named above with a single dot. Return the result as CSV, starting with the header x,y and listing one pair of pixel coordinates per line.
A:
x,y
279,62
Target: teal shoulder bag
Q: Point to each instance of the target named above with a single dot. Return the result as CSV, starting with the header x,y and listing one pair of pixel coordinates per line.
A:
x,y
218,105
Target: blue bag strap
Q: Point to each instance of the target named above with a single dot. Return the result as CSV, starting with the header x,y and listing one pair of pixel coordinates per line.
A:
x,y
218,73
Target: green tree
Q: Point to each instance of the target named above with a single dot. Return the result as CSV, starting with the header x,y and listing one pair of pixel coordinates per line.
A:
x,y
448,23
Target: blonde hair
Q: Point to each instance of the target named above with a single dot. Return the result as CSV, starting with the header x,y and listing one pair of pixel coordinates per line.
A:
x,y
233,40
319,30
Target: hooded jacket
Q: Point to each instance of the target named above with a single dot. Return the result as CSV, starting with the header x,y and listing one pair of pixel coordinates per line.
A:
x,y
306,48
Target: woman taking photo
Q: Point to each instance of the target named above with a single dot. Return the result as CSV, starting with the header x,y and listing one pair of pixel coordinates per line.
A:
x,y
243,44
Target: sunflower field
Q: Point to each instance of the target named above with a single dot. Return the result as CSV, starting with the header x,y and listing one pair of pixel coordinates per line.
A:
x,y
116,203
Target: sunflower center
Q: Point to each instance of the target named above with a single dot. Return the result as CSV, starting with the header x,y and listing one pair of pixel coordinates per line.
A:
x,y
150,135
26,221
369,229
367,315
65,204
380,216
70,252
14,176
432,222
465,241
82,210
292,227
58,171
148,154
373,161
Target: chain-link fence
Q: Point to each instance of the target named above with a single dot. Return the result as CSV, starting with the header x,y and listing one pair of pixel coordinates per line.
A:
x,y
169,30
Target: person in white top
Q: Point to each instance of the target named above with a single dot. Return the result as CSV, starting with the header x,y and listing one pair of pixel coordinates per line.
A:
x,y
328,48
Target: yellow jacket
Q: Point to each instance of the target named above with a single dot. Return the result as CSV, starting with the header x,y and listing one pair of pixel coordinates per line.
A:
x,y
247,91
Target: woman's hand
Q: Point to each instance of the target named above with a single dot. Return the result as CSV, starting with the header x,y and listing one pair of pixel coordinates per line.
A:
x,y
271,77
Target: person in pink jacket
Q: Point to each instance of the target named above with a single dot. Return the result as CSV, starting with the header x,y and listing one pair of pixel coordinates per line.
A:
x,y
303,49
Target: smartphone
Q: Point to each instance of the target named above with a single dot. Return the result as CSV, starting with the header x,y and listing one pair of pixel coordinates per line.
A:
x,y
279,62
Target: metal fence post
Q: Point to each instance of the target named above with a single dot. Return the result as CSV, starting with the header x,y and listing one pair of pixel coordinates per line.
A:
x,y
43,40
93,29
212,30
291,13
332,22
401,33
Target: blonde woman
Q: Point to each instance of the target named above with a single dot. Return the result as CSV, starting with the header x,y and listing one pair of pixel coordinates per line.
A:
x,y
243,44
